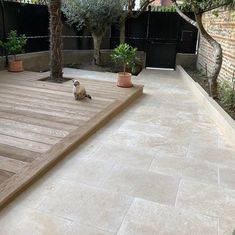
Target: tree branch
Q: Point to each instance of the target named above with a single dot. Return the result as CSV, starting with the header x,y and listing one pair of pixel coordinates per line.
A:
x,y
142,8
214,7
179,11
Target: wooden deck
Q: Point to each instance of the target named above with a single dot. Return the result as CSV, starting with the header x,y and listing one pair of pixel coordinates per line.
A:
x,y
40,123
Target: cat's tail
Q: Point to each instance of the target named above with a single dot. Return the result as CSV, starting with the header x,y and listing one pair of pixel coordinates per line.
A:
x,y
88,96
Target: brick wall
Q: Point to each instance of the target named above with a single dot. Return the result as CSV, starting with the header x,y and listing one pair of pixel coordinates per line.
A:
x,y
222,28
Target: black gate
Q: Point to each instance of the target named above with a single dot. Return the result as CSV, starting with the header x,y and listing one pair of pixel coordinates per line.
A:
x,y
162,40
161,35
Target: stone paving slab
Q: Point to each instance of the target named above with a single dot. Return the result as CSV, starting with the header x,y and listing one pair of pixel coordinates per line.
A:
x,y
150,218
161,167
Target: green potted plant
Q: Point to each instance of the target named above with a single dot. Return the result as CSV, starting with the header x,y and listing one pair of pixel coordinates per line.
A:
x,y
14,45
124,55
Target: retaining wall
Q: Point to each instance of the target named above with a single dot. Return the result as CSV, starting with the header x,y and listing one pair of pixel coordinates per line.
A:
x,y
39,61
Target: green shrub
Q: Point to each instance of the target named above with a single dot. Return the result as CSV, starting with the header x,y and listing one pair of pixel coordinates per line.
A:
x,y
14,44
227,95
124,55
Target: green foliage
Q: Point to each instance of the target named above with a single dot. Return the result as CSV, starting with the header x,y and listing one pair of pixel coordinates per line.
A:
x,y
233,15
215,13
124,55
95,15
206,5
227,95
163,8
14,44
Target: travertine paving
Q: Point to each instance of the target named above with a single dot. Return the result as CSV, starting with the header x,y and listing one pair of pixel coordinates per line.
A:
x,y
162,167
40,121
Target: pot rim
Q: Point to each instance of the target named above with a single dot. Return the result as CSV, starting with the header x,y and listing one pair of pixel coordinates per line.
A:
x,y
17,60
125,74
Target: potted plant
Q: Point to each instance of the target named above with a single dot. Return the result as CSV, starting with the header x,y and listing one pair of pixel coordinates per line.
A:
x,y
14,45
124,55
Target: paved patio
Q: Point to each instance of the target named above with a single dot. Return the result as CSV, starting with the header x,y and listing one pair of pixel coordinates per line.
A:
x,y
40,123
162,167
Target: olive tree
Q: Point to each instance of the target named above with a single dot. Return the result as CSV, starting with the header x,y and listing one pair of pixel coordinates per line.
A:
x,y
56,63
96,15
199,7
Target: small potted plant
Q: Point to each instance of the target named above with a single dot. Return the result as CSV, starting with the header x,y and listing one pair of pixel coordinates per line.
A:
x,y
124,55
14,45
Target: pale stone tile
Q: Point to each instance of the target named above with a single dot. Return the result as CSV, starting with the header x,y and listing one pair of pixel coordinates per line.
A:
x,y
136,140
227,178
141,117
204,117
102,209
223,157
34,195
226,226
148,218
88,147
125,156
180,134
206,199
204,139
25,221
225,143
84,170
186,168
205,134
143,184
172,150
147,110
178,106
136,127
185,117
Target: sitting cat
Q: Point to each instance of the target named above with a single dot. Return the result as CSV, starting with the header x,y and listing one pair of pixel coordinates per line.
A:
x,y
79,91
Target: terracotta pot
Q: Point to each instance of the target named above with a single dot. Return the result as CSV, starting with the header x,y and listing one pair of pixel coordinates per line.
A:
x,y
15,66
124,80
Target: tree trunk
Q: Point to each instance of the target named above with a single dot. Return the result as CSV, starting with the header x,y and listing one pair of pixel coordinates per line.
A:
x,y
97,39
185,17
217,50
56,63
122,31
217,56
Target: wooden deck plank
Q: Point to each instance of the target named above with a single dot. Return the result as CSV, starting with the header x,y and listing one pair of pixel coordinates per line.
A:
x,y
48,86
25,108
97,102
43,116
40,123
14,153
25,75
24,144
47,106
33,128
4,175
37,121
11,165
28,135
95,85
58,89
48,103
67,95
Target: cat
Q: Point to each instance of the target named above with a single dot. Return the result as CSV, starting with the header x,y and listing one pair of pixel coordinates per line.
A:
x,y
79,91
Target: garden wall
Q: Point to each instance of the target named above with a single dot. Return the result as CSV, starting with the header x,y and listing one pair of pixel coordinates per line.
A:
x,y
39,61
222,28
161,35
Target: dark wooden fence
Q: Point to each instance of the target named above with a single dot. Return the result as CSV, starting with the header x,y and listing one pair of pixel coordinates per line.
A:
x,y
156,33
